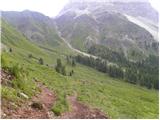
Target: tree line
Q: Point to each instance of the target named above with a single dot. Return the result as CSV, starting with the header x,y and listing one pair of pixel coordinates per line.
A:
x,y
61,68
143,73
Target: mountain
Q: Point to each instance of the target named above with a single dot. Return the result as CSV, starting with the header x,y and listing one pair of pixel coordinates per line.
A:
x,y
141,8
37,27
84,24
15,40
112,96
43,77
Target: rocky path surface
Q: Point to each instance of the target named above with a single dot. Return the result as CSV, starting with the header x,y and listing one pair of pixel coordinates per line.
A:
x,y
39,107
81,111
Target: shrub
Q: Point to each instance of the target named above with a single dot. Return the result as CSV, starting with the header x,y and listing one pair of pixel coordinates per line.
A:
x,y
60,68
4,62
10,50
41,61
63,70
30,56
21,82
61,105
9,93
17,71
57,111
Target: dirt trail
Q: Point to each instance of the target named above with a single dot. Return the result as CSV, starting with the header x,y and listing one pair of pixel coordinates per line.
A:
x,y
45,97
81,111
45,100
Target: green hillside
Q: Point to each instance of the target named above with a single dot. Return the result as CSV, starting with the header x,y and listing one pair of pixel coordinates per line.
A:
x,y
116,98
37,27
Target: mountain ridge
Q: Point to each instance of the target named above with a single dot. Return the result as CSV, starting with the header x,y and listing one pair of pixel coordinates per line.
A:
x,y
85,24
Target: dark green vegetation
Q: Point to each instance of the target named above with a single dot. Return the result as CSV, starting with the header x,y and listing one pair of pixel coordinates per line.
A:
x,y
23,59
60,68
143,72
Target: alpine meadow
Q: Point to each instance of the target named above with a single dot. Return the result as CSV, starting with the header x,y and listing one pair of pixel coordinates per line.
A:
x,y
97,59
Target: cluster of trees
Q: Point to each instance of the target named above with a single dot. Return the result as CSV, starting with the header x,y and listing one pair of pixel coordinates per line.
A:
x,y
40,60
10,50
155,46
101,65
115,71
144,73
71,61
60,68
107,53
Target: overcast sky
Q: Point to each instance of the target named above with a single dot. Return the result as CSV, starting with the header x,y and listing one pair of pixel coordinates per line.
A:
x,y
48,7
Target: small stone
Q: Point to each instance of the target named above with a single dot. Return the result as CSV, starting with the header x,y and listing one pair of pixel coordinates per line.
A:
x,y
23,95
3,115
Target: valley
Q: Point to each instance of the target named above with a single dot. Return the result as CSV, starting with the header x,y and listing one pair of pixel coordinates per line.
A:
x,y
97,65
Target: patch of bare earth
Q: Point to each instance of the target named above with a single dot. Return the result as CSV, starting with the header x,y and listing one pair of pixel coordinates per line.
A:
x,y
5,77
81,111
39,106
42,106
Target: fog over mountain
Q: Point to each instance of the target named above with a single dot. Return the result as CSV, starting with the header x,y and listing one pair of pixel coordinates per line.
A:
x,y
113,24
97,59
109,1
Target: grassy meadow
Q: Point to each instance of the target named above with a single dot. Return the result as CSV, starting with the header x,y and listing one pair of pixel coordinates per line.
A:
x,y
114,97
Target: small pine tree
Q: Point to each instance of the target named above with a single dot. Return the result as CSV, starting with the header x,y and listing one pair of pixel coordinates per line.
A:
x,y
10,49
70,74
30,55
73,63
58,69
63,70
41,61
59,63
68,60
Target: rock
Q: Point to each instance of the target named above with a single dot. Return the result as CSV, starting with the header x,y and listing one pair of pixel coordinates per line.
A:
x,y
23,95
49,94
13,104
50,114
3,115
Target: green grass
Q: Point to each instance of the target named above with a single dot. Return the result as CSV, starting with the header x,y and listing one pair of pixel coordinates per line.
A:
x,y
118,99
114,97
9,93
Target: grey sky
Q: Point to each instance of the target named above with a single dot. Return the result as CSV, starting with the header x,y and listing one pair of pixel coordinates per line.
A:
x,y
48,7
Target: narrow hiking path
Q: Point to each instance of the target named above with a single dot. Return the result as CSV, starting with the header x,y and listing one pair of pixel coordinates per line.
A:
x,y
42,110
40,105
81,111
47,99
